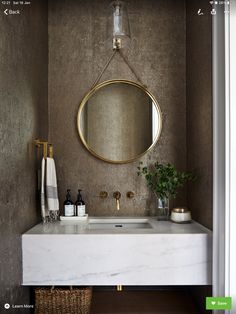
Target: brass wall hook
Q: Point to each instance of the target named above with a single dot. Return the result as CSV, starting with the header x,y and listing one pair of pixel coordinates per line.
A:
x,y
38,143
50,151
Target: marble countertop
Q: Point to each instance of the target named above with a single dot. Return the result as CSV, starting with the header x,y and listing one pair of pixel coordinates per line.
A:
x,y
73,253
78,227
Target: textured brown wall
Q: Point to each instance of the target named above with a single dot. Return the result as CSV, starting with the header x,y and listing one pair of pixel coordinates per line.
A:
x,y
78,50
199,110
23,109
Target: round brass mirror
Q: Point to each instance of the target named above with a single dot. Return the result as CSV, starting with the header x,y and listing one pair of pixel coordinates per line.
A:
x,y
119,121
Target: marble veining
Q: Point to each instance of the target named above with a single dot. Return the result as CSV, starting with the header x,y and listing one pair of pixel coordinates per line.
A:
x,y
166,254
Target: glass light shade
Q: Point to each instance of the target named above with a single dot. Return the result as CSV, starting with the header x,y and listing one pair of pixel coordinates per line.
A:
x,y
120,21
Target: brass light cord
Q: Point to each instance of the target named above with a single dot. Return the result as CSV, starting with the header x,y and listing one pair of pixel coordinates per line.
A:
x,y
109,61
131,68
104,69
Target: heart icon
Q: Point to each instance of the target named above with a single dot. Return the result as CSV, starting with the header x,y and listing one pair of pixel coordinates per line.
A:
x,y
213,302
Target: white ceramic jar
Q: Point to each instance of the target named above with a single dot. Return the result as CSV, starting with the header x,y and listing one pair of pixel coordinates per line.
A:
x,y
180,215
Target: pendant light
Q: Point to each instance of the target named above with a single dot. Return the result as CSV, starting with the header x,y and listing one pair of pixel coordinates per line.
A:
x,y
120,24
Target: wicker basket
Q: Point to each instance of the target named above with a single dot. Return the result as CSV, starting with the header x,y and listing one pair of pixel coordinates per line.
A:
x,y
63,300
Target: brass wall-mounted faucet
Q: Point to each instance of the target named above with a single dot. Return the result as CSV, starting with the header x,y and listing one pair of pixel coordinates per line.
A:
x,y
117,196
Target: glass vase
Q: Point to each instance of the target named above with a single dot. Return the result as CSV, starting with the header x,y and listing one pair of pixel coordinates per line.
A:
x,y
163,211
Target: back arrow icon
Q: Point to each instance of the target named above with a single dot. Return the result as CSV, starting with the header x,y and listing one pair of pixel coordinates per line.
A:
x,y
6,11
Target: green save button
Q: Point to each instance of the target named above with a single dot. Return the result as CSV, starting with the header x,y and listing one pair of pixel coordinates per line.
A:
x,y
220,303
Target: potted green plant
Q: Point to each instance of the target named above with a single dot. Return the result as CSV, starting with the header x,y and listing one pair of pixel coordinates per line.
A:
x,y
164,180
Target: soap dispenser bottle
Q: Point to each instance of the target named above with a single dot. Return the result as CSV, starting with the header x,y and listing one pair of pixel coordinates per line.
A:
x,y
79,205
69,209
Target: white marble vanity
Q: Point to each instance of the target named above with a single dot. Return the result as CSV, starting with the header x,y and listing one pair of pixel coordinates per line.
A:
x,y
141,251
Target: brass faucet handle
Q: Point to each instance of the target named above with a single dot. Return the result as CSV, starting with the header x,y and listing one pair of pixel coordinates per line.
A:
x,y
103,194
130,194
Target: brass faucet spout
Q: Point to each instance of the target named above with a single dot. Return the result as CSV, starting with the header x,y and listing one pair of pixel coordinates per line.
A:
x,y
118,204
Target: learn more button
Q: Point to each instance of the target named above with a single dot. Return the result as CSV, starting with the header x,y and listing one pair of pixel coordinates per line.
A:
x,y
219,303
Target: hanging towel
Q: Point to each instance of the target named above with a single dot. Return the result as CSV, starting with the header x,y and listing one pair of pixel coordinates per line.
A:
x,y
44,209
51,186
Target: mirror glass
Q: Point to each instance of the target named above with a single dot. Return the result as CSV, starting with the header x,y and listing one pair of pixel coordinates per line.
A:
x,y
118,121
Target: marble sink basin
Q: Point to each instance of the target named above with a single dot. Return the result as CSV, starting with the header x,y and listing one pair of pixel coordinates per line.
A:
x,y
118,223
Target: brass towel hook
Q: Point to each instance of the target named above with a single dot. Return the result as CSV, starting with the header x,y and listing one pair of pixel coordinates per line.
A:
x,y
50,150
38,143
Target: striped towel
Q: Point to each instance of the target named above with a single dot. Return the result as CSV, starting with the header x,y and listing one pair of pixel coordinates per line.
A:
x,y
51,185
44,209
49,196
